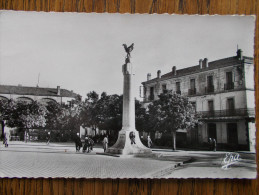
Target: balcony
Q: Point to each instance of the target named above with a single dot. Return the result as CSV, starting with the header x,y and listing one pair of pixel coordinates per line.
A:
x,y
209,89
192,91
245,112
228,86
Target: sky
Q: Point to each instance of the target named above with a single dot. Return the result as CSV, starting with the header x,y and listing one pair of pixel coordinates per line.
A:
x,y
83,52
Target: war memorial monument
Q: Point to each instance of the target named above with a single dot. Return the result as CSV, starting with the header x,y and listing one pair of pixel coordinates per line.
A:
x,y
128,141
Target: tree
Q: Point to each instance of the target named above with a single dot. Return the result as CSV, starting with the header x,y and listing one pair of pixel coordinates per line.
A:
x,y
23,114
54,116
91,111
171,112
141,117
111,106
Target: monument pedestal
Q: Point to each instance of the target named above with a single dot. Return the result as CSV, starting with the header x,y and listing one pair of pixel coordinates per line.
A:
x,y
124,144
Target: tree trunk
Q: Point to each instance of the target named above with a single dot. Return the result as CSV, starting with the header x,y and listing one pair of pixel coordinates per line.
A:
x,y
94,127
3,125
174,139
25,136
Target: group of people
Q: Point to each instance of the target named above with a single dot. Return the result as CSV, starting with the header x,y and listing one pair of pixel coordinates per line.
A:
x,y
212,144
88,144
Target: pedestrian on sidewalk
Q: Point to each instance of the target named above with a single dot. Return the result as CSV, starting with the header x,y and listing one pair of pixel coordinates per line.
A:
x,y
214,145
78,142
149,142
90,143
132,137
48,138
105,143
6,138
210,144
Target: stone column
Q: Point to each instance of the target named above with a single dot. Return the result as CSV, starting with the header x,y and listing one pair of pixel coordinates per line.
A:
x,y
128,120
124,144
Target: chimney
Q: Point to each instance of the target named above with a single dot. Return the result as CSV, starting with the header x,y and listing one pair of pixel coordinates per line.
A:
x,y
58,90
148,76
159,74
240,54
200,63
174,70
205,63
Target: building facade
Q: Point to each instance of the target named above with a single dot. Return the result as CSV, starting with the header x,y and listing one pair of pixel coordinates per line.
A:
x,y
222,91
43,95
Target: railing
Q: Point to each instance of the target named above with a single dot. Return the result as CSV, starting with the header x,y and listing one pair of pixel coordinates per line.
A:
x,y
209,89
192,91
227,113
229,86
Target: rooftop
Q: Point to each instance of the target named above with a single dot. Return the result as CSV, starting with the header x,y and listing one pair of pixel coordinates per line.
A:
x,y
37,91
234,60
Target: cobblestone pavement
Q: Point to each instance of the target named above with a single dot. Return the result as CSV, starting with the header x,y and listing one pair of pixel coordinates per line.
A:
x,y
54,160
60,160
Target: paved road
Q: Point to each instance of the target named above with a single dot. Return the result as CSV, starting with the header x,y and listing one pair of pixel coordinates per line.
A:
x,y
60,160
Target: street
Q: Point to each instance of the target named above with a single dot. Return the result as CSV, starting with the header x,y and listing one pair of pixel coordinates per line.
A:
x,y
61,160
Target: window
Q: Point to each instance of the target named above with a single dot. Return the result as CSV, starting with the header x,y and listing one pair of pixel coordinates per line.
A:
x,y
151,97
211,107
210,86
164,88
229,81
192,89
178,88
230,106
194,105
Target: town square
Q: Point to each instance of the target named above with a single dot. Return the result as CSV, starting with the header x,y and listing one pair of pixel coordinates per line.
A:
x,y
82,108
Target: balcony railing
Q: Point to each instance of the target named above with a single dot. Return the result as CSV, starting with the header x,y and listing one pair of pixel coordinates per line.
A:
x,y
229,86
192,91
209,89
228,113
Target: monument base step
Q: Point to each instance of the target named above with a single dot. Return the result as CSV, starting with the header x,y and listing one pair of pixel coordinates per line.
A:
x,y
126,146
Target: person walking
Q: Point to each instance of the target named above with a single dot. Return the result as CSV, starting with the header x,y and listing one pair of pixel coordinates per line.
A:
x,y
214,145
132,137
78,142
6,138
210,144
86,145
149,142
105,143
91,144
48,138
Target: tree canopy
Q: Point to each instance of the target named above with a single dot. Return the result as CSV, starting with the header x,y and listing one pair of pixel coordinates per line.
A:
x,y
170,113
22,114
167,114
